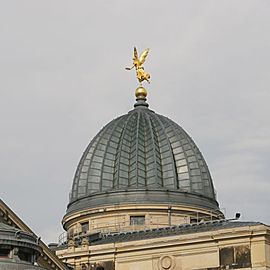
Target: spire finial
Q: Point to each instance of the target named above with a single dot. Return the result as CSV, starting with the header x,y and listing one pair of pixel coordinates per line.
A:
x,y
141,95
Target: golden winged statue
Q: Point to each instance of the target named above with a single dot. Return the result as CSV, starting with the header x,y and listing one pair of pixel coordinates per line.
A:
x,y
137,63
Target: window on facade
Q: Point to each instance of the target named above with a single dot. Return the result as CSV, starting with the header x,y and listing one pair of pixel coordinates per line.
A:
x,y
24,256
84,267
226,256
193,220
235,257
4,252
85,227
137,220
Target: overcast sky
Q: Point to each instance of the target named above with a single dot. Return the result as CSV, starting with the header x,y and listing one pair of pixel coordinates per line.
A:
x,y
62,78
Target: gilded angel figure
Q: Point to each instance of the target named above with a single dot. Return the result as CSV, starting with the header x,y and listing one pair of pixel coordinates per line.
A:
x,y
137,63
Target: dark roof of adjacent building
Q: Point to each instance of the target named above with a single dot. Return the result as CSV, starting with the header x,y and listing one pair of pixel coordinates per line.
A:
x,y
47,259
142,157
19,249
15,237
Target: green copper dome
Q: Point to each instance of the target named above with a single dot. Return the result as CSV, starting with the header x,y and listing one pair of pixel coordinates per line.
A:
x,y
142,157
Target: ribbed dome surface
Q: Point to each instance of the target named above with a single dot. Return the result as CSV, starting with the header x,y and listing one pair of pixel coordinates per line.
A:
x,y
142,150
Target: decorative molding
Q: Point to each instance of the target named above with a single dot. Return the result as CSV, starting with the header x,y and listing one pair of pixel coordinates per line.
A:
x,y
167,262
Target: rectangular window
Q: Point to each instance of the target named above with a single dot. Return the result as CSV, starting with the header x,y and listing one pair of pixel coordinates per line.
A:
x,y
137,220
4,252
85,227
194,220
235,257
226,256
242,256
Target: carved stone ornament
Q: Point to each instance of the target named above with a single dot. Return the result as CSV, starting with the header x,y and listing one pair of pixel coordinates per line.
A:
x,y
166,262
85,242
71,243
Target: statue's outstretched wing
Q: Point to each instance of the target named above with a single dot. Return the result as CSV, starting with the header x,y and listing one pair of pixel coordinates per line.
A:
x,y
143,56
136,54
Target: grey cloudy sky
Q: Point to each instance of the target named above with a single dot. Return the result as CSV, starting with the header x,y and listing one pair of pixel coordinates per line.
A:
x,y
62,78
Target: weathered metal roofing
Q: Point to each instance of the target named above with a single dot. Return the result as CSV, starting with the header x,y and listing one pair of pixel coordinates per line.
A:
x,y
147,155
182,229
